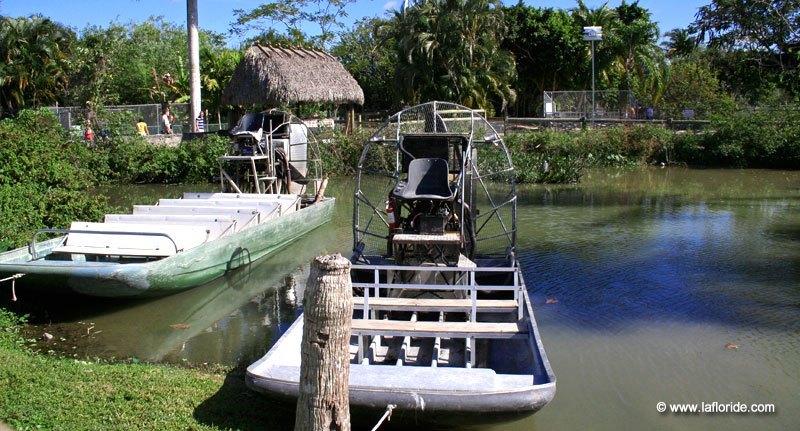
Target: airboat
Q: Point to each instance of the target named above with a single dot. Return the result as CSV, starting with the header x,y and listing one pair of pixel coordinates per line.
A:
x,y
272,193
442,321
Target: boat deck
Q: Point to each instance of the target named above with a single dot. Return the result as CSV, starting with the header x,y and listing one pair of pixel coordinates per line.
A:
x,y
174,225
458,338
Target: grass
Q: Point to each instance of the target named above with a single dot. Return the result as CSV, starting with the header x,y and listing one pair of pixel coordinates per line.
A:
x,y
44,392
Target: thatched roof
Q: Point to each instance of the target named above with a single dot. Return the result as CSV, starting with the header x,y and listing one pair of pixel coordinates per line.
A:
x,y
271,75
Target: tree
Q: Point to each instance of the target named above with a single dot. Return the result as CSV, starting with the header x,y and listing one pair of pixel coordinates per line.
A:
x,y
217,66
693,85
92,65
129,64
767,32
450,50
33,71
606,50
326,15
628,57
679,42
549,51
368,52
641,64
145,63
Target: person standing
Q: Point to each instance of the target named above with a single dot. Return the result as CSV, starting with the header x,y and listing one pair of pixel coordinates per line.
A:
x,y
88,134
200,123
166,126
141,127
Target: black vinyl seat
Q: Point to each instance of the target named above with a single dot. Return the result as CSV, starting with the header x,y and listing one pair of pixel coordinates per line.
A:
x,y
427,179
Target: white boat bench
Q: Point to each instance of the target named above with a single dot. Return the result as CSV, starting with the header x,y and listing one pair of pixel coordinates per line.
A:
x,y
233,203
215,227
240,221
246,216
133,239
286,200
436,304
405,328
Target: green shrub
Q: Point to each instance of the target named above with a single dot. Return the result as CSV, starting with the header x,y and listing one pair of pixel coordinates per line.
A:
x,y
565,160
134,160
767,139
199,158
43,178
341,153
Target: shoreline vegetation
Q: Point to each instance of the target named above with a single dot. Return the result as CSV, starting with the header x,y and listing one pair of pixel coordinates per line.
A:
x,y
46,170
45,175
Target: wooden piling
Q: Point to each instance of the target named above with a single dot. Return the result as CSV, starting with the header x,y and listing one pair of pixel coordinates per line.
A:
x,y
323,403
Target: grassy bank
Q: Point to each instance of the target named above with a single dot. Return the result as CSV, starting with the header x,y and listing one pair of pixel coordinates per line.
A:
x,y
43,392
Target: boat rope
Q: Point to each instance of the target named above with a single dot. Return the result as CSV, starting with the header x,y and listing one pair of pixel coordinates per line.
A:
x,y
387,416
13,280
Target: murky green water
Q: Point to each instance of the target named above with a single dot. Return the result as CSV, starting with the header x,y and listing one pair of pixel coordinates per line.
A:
x,y
655,272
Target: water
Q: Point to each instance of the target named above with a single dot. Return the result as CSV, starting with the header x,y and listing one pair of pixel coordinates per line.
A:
x,y
655,271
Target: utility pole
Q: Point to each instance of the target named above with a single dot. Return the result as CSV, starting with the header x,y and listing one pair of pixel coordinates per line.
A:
x,y
194,61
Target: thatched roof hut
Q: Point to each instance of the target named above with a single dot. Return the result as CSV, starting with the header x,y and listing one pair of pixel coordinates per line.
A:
x,y
271,75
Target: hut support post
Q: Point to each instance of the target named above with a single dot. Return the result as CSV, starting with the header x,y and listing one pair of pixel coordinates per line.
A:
x,y
323,403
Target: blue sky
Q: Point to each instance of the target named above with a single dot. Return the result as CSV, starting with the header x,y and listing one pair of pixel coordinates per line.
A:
x,y
216,15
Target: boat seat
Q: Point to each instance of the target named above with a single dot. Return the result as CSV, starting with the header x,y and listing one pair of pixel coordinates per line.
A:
x,y
104,239
404,328
217,226
167,218
244,217
427,179
231,203
265,197
286,205
436,304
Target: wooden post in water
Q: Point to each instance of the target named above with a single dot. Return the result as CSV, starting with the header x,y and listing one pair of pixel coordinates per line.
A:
x,y
323,403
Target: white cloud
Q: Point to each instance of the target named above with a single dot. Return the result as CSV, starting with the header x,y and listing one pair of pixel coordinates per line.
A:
x,y
392,4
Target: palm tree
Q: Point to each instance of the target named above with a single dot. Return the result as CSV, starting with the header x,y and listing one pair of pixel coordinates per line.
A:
x,y
450,50
680,42
606,18
628,57
644,66
34,67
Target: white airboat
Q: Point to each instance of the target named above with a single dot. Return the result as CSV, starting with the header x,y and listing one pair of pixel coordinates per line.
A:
x,y
442,321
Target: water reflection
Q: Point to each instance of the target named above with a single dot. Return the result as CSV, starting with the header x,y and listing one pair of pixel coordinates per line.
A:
x,y
661,244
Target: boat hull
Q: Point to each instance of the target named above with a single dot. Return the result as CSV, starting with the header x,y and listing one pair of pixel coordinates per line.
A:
x,y
172,274
416,389
512,376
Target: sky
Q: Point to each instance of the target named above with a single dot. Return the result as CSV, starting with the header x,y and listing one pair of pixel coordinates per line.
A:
x,y
217,15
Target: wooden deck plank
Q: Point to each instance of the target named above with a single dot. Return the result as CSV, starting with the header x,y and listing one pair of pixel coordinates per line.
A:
x,y
435,304
439,329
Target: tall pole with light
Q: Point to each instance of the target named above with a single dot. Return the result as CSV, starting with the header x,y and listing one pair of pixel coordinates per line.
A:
x,y
594,33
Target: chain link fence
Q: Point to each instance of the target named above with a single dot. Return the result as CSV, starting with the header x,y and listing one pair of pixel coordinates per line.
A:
x,y
577,104
74,118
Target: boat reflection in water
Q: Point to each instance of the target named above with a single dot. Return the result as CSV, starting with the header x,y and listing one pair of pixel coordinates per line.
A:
x,y
234,318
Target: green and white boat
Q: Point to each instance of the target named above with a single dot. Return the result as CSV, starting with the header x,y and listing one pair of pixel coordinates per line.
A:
x,y
272,194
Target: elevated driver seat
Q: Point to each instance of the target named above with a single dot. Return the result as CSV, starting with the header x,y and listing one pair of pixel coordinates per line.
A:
x,y
427,179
